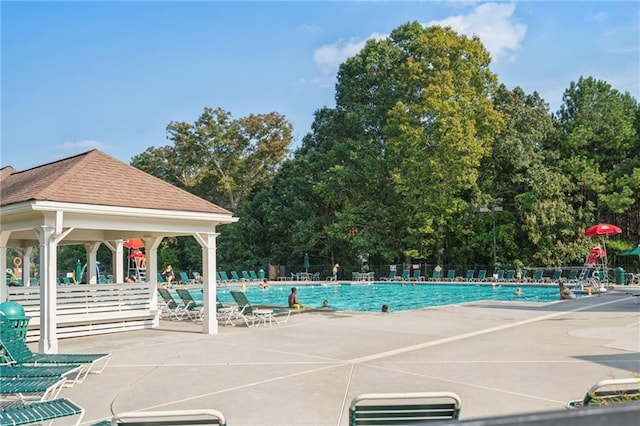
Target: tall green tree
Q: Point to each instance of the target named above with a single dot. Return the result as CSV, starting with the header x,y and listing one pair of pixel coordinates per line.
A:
x,y
598,146
220,158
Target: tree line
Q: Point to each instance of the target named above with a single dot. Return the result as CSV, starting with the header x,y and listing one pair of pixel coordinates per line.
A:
x,y
425,157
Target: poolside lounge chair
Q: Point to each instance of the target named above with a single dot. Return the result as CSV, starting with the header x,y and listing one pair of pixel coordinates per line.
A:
x,y
161,279
32,388
538,276
405,275
557,274
511,275
247,312
435,276
451,275
224,278
482,275
68,372
166,418
609,391
184,278
403,408
19,353
469,276
175,308
235,277
37,412
573,276
193,308
390,277
246,276
499,275
254,276
416,275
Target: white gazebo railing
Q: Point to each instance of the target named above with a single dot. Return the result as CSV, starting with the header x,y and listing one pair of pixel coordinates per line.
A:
x,y
89,309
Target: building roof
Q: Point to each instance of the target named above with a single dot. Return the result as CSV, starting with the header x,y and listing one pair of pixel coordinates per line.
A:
x,y
98,179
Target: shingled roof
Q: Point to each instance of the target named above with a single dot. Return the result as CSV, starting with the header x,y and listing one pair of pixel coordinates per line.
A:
x,y
98,179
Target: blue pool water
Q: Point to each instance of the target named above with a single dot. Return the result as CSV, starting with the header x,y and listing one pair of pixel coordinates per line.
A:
x,y
370,297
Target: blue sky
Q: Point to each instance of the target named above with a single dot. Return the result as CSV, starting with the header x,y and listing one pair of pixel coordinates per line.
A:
x,y
112,75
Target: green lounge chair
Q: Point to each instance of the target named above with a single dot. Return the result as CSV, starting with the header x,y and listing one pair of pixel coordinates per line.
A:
x,y
538,276
390,277
555,277
511,275
573,276
499,275
246,276
247,312
37,412
253,276
405,275
194,308
610,391
175,308
235,277
482,275
28,389
435,275
469,276
451,275
166,418
68,372
403,408
184,278
161,279
19,353
416,275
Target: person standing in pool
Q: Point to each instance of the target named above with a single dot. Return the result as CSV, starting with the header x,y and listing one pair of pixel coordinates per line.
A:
x,y
385,308
293,299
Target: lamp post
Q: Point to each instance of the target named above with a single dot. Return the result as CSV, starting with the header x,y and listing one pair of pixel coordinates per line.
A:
x,y
493,210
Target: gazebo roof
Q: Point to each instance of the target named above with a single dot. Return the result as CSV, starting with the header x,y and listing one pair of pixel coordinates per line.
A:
x,y
99,198
98,179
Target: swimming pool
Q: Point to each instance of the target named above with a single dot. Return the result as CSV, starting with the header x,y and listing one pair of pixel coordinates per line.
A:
x,y
371,297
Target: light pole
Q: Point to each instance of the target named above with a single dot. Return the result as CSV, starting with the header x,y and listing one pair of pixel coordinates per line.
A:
x,y
493,210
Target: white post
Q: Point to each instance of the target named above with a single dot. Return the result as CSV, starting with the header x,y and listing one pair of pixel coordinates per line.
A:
x,y
48,342
208,244
92,255
4,289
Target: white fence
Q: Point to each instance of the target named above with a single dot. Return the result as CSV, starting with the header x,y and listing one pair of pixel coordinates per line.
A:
x,y
88,309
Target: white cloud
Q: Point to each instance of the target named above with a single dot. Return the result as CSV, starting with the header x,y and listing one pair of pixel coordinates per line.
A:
x,y
599,17
83,146
493,23
330,56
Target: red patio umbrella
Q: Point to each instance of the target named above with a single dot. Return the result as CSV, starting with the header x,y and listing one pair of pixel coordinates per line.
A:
x,y
133,243
602,229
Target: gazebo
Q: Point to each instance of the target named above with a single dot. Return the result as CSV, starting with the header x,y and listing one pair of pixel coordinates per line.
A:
x,y
93,199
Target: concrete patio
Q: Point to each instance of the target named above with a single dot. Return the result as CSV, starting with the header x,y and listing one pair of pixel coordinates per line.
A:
x,y
500,358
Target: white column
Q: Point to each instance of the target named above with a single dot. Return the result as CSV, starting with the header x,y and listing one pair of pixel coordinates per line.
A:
x,y
151,251
48,289
26,266
208,244
118,262
4,289
92,254
117,259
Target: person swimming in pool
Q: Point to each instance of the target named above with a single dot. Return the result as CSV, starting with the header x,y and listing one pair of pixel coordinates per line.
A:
x,y
518,292
293,299
385,308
